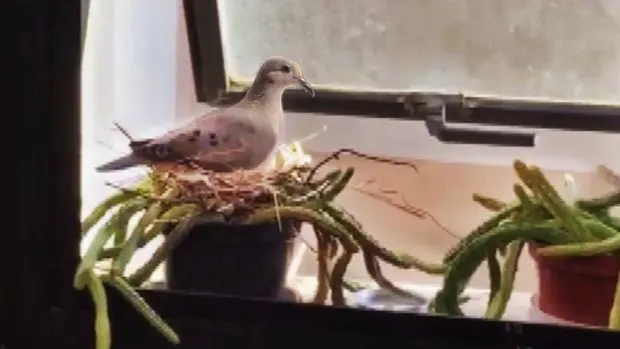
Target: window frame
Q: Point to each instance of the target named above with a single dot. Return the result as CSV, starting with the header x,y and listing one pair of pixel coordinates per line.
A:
x,y
41,252
213,87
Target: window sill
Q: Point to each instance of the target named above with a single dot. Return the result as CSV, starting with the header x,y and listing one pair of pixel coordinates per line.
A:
x,y
227,322
517,310
521,306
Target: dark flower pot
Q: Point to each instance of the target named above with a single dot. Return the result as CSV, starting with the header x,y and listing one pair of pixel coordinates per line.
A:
x,y
238,260
579,289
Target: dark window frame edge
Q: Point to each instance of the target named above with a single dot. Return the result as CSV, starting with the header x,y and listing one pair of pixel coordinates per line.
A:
x,y
207,311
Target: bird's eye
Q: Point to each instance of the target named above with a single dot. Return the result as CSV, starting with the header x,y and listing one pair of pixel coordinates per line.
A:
x,y
286,69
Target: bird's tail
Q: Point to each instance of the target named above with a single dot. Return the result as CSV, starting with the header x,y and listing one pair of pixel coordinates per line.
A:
x,y
121,163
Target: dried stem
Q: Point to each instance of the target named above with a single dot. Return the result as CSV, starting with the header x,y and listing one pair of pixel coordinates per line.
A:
x,y
324,261
123,131
336,155
408,208
609,175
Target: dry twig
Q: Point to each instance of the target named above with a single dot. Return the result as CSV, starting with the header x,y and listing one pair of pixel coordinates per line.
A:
x,y
336,155
406,207
609,175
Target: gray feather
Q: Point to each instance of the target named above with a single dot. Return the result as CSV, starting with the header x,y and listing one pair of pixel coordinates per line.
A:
x,y
239,137
121,163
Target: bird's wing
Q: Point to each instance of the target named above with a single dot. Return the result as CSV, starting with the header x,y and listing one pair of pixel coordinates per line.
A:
x,y
221,138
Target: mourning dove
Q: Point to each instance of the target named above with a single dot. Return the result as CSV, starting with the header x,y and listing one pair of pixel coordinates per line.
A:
x,y
242,136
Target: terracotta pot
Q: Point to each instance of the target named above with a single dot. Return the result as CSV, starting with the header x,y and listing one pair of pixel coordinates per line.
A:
x,y
577,289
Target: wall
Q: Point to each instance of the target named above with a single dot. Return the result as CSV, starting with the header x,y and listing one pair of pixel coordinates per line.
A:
x,y
154,89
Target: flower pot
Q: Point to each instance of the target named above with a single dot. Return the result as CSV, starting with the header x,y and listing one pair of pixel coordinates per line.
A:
x,y
577,289
238,260
535,314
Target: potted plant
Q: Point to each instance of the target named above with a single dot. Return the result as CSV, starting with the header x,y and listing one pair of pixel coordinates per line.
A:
x,y
220,227
575,247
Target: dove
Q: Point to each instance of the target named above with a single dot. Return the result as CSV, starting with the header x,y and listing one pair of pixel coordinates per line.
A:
x,y
242,136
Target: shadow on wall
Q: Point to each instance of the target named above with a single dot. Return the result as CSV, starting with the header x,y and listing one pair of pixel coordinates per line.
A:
x,y
444,190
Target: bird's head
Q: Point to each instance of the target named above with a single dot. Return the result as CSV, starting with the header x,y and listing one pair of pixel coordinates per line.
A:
x,y
281,72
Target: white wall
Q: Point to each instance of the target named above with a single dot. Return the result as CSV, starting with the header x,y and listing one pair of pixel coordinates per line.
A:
x,y
129,76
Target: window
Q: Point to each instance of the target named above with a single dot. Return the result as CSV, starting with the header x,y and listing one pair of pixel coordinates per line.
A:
x,y
132,72
561,50
540,52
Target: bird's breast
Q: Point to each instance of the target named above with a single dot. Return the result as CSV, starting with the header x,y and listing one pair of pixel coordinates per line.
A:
x,y
263,147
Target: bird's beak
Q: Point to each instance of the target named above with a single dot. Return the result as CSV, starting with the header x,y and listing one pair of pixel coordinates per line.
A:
x,y
305,85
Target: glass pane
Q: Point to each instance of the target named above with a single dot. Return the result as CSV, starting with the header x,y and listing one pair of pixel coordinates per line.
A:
x,y
565,49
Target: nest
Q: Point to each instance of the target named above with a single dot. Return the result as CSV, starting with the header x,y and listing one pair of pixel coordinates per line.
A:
x,y
236,195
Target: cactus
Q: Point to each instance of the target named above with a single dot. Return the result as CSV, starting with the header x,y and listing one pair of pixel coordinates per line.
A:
x,y
539,215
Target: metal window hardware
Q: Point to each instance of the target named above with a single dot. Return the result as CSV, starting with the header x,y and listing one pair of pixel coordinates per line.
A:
x,y
434,109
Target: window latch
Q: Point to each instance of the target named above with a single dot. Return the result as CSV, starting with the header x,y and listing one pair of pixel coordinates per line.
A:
x,y
434,109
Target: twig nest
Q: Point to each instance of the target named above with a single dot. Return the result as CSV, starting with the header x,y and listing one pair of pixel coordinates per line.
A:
x,y
230,193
